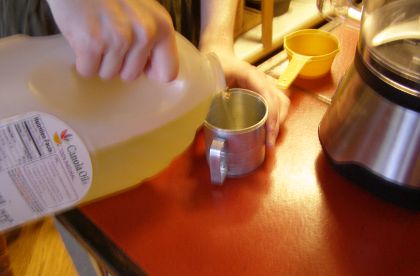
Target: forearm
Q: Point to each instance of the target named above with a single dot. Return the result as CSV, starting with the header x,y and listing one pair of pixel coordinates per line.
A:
x,y
217,24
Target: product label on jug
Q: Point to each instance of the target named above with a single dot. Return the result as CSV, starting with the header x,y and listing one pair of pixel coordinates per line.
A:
x,y
44,168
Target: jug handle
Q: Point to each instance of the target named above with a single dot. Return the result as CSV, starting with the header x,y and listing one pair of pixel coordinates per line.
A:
x,y
217,161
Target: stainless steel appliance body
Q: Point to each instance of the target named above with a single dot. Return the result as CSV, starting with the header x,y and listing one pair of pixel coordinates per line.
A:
x,y
371,132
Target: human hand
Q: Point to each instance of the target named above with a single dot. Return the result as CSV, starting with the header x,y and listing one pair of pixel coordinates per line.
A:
x,y
241,74
124,37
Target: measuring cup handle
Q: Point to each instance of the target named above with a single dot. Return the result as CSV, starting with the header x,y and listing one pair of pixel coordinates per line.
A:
x,y
217,161
292,70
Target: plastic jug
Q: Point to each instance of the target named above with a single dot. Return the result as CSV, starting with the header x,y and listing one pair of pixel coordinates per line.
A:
x,y
66,140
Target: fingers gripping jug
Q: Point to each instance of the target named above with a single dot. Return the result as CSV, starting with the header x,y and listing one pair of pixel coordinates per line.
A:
x,y
65,139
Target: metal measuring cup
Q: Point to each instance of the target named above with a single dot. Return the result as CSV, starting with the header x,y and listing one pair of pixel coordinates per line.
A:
x,y
234,133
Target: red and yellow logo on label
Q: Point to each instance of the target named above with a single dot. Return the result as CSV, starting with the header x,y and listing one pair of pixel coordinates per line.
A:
x,y
64,136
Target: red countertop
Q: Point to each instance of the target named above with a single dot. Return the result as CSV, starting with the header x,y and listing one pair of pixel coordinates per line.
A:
x,y
293,216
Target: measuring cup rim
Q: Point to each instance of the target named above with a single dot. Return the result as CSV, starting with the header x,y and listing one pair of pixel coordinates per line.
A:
x,y
308,31
246,129
314,58
311,31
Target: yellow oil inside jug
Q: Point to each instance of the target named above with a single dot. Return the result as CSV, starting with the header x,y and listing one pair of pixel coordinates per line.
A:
x,y
123,165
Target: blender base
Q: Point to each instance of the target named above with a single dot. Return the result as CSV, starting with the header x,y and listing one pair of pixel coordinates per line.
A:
x,y
402,196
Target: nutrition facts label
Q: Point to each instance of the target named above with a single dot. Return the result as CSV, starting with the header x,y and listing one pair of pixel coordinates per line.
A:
x,y
23,141
44,167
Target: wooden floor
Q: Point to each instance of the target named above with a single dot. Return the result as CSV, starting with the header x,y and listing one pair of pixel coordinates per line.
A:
x,y
37,250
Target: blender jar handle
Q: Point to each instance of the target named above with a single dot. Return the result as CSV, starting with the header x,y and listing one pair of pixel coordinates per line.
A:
x,y
342,9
